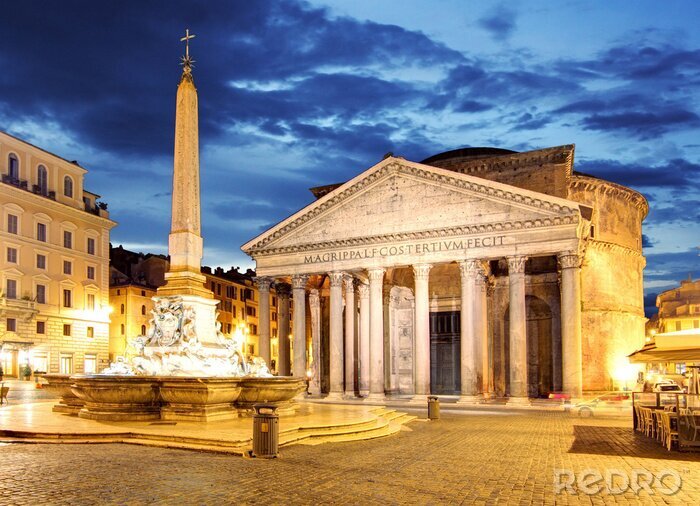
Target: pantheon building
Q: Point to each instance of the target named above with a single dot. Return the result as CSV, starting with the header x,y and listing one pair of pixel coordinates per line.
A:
x,y
478,272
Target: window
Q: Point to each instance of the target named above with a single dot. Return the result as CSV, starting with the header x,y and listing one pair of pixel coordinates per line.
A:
x,y
42,180
11,325
143,330
696,324
40,261
12,223
122,328
67,299
678,325
68,187
233,311
11,289
143,309
143,293
40,361
121,310
91,301
90,272
274,301
90,246
66,329
119,292
41,294
66,363
90,365
41,232
90,332
12,255
251,349
67,267
13,166
67,239
41,327
250,311
254,329
274,316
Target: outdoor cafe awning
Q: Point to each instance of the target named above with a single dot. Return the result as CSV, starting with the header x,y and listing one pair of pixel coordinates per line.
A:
x,y
653,354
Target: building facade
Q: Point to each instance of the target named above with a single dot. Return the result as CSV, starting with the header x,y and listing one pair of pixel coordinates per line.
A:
x,y
135,278
678,308
477,272
54,303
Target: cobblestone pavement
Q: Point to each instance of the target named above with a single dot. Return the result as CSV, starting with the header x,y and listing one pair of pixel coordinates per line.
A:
x,y
483,458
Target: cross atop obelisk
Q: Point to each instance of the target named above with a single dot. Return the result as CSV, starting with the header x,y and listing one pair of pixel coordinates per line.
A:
x,y
187,62
185,242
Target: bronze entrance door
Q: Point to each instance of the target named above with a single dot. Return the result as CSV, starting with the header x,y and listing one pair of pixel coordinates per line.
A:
x,y
444,353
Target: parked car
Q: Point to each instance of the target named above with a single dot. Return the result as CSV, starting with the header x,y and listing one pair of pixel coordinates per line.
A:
x,y
668,387
610,403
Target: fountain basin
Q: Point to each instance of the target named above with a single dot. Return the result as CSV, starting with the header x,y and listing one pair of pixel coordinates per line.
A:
x,y
174,398
199,399
60,384
117,398
277,390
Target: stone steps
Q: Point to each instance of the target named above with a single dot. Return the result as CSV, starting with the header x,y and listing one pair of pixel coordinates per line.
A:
x,y
375,423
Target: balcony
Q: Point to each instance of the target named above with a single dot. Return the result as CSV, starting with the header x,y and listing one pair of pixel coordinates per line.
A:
x,y
13,181
98,209
24,307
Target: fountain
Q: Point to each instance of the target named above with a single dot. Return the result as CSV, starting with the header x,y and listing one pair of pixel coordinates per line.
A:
x,y
185,368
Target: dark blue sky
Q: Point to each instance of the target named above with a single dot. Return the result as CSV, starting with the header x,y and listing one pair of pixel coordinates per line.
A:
x,y
296,94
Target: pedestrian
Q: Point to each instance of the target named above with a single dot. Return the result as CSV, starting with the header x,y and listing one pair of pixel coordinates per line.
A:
x,y
1,373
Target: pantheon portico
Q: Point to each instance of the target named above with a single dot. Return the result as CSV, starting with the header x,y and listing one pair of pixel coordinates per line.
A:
x,y
412,279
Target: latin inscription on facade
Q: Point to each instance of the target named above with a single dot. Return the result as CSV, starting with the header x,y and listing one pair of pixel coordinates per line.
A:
x,y
405,249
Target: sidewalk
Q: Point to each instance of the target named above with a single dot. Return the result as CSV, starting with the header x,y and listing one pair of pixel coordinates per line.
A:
x,y
25,391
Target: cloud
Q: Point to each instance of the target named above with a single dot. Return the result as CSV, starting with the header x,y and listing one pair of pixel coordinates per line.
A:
x,y
647,242
679,173
644,125
500,22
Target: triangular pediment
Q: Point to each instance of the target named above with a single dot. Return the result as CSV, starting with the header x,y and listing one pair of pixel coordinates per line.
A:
x,y
397,198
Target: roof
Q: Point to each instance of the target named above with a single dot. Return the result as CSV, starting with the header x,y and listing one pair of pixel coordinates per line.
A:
x,y
478,152
72,162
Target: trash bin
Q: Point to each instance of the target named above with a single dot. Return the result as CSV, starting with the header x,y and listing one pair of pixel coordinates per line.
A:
x,y
266,431
433,408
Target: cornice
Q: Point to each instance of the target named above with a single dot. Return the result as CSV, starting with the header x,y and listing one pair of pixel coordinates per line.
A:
x,y
558,155
609,246
589,183
329,201
45,202
420,235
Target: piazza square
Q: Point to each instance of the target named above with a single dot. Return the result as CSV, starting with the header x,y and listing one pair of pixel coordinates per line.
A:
x,y
295,299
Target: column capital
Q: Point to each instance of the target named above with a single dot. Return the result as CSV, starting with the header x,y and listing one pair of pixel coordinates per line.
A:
x,y
264,283
314,299
299,281
363,290
516,264
422,271
283,289
469,268
569,260
336,278
375,274
349,282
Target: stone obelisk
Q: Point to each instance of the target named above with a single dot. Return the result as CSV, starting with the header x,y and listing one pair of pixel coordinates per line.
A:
x,y
184,277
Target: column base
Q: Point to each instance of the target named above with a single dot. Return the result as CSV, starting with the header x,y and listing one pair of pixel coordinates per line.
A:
x,y
518,401
335,396
349,396
419,399
376,397
469,399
